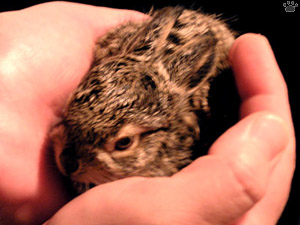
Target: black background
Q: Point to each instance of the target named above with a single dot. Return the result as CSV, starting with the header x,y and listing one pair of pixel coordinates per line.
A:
x,y
265,17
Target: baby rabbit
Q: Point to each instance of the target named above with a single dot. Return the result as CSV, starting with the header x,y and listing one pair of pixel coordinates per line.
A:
x,y
134,113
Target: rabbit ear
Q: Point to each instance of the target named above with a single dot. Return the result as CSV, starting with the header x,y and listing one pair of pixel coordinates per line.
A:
x,y
193,47
149,39
189,45
192,63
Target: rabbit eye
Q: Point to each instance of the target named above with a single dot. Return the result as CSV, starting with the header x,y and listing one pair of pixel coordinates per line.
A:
x,y
123,143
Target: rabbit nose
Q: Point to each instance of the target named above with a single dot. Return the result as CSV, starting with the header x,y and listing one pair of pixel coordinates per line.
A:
x,y
69,164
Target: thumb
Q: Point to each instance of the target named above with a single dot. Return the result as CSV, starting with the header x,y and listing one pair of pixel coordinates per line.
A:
x,y
216,189
233,177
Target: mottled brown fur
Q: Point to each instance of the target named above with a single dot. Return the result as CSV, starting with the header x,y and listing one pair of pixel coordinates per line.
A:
x,y
147,81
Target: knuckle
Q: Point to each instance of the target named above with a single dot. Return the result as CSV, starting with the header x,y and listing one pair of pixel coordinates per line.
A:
x,y
249,175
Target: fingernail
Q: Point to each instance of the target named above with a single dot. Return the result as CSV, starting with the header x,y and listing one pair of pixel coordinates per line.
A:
x,y
269,132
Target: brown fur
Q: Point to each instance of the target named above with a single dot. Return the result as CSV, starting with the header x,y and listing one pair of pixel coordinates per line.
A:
x,y
147,81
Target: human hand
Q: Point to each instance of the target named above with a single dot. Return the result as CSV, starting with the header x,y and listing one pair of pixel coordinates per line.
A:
x,y
244,180
44,52
30,189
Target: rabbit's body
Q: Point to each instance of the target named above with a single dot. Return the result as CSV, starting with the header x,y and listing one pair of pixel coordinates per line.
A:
x,y
134,113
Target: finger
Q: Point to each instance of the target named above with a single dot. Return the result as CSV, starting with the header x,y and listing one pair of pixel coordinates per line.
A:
x,y
83,24
259,80
100,19
127,201
234,176
215,189
262,87
111,18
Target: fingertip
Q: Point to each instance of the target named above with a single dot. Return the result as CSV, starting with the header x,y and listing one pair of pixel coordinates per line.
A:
x,y
263,131
245,41
270,132
105,18
255,68
136,15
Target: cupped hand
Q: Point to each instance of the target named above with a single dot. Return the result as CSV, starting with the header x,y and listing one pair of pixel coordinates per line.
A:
x,y
44,52
245,178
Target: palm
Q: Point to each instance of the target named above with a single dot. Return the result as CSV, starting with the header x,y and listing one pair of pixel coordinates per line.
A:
x,y
46,53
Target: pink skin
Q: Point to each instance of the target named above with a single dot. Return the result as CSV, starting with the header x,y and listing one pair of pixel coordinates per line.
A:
x,y
245,178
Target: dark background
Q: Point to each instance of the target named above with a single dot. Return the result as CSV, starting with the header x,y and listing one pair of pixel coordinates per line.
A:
x,y
265,17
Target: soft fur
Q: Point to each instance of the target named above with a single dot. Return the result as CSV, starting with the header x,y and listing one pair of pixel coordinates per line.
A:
x,y
147,81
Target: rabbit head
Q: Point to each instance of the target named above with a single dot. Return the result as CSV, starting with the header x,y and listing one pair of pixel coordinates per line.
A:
x,y
134,113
